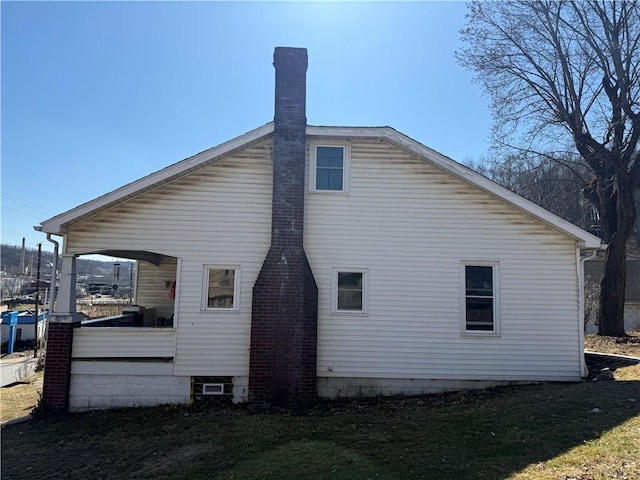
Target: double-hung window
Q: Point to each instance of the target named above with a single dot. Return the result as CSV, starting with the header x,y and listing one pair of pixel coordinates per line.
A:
x,y
329,168
480,306
349,290
221,288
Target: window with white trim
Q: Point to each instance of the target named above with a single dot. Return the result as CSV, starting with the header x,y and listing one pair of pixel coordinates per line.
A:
x,y
349,290
480,306
221,287
329,167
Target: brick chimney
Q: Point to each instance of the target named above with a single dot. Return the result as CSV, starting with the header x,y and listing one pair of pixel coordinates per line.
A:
x,y
284,317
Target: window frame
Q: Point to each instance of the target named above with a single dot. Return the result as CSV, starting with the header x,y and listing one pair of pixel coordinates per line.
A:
x,y
334,290
346,161
495,276
205,288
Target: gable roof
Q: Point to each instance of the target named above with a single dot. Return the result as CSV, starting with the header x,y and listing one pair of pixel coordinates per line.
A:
x,y
58,225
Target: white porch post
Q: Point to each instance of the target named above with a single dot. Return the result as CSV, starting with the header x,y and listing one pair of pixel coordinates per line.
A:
x,y
66,301
62,323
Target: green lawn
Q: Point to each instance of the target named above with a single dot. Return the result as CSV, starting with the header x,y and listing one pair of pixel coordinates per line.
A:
x,y
580,431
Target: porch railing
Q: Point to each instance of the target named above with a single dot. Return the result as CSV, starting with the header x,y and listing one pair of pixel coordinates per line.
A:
x,y
121,343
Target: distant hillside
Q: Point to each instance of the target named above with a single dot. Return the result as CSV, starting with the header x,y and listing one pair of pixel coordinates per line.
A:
x,y
10,256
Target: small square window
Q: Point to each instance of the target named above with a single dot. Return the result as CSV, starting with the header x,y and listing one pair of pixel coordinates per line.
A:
x,y
349,290
480,305
220,288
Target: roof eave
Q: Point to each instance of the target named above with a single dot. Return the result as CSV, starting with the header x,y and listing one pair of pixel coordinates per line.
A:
x,y
584,239
58,225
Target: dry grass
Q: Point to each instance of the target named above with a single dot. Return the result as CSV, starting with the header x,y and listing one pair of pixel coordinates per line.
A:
x,y
629,345
579,431
630,373
99,311
94,309
612,455
19,400
582,431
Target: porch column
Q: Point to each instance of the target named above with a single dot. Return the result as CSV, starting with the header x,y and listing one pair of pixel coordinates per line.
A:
x,y
66,300
62,322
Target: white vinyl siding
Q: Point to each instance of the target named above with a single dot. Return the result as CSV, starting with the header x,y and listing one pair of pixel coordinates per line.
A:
x,y
409,223
151,289
217,215
413,225
110,342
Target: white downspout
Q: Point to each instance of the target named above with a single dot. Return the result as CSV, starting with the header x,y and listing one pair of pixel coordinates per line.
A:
x,y
594,252
54,277
54,273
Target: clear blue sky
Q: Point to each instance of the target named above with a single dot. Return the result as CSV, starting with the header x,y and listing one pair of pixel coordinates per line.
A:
x,y
96,95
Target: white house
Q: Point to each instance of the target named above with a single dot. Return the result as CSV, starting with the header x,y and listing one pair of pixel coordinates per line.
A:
x,y
300,260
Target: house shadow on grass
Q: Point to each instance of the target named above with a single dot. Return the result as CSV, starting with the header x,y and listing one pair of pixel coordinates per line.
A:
x,y
597,362
495,438
491,434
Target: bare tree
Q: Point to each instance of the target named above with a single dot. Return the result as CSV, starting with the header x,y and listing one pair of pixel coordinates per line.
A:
x,y
10,285
554,185
564,71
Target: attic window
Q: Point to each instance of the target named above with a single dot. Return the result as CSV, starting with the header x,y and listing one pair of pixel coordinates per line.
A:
x,y
329,168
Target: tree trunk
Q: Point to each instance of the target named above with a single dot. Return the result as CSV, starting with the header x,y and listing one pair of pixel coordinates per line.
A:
x,y
612,288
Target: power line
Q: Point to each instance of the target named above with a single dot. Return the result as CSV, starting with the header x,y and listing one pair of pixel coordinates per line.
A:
x,y
25,203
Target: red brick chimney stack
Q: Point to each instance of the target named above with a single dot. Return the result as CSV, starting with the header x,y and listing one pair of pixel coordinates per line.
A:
x,y
289,145
285,296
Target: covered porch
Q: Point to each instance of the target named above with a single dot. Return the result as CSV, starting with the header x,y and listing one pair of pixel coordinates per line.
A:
x,y
153,298
140,337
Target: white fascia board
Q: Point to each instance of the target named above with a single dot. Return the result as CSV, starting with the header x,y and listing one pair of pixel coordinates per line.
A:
x,y
349,132
57,225
584,239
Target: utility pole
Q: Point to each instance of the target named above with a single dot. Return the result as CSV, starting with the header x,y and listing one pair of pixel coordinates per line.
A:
x,y
22,258
37,297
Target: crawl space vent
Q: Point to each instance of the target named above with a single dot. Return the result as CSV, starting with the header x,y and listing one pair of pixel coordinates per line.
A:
x,y
207,389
